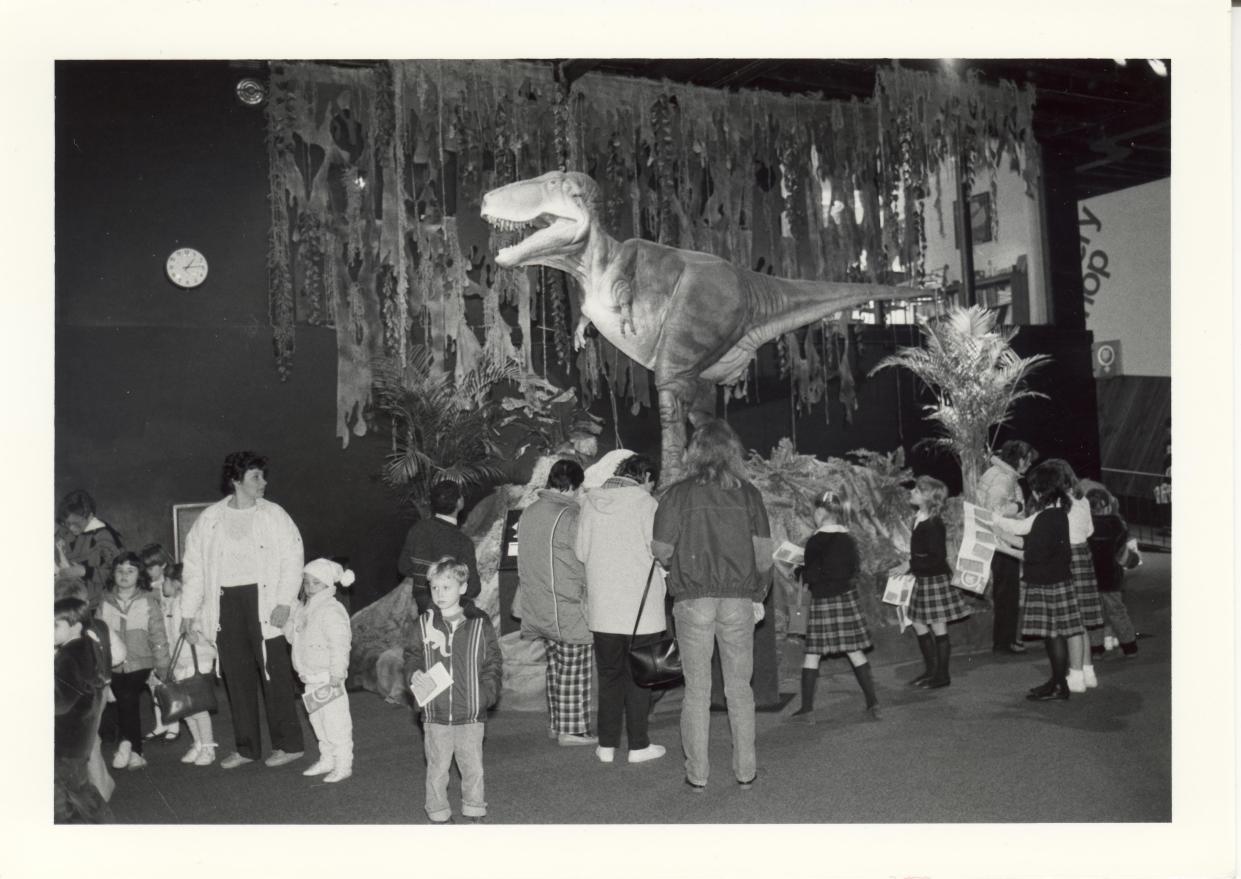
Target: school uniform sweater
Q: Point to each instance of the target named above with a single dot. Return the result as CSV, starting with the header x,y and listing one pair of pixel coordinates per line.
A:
x,y
831,562
928,549
1046,549
1109,537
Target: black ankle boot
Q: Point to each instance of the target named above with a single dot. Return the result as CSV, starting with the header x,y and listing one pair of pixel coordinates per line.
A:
x,y
926,643
943,650
809,679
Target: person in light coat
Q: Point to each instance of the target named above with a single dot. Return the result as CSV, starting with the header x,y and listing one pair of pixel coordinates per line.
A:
x,y
614,544
320,634
240,577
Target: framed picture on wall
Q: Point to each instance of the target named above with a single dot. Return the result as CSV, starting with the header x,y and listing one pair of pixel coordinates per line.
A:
x,y
183,518
981,219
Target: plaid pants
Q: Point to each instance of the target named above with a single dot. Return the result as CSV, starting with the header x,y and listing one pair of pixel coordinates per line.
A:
x,y
569,670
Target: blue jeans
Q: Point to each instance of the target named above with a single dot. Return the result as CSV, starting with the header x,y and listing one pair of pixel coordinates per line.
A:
x,y
701,623
441,743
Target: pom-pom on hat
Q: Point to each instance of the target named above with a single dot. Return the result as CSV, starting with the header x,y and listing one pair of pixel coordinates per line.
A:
x,y
327,571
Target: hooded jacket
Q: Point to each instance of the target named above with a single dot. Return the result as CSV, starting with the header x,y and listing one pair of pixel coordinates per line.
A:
x,y
614,543
470,653
546,534
320,636
280,566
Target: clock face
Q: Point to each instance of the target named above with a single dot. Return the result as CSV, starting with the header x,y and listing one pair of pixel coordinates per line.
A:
x,y
186,267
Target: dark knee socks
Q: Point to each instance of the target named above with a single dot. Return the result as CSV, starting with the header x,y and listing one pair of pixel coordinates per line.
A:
x,y
926,643
943,650
866,682
1058,655
809,679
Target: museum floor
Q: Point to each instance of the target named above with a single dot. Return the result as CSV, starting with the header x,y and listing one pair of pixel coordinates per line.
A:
x,y
975,752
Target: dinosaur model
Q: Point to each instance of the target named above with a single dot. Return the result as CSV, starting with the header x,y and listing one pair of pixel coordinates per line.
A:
x,y
693,319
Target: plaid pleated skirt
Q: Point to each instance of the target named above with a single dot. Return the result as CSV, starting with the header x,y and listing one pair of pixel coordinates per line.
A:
x,y
836,625
1050,609
935,600
1082,571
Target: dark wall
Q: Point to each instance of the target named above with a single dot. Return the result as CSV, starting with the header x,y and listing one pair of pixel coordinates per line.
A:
x,y
154,385
889,413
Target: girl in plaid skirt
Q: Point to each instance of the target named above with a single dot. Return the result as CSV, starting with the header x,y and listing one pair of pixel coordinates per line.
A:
x,y
1051,609
1081,674
935,602
836,624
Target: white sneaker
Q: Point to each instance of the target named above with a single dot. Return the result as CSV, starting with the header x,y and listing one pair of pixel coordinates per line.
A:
x,y
650,752
121,759
206,755
136,761
1077,681
1089,676
321,766
340,773
192,754
605,755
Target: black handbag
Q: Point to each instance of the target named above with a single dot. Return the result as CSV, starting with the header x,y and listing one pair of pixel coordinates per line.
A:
x,y
658,662
188,696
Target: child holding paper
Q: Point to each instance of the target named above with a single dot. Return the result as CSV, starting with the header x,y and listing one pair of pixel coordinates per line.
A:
x,y
935,602
836,623
454,666
320,636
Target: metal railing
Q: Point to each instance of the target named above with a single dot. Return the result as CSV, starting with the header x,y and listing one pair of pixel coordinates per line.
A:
x,y
1145,501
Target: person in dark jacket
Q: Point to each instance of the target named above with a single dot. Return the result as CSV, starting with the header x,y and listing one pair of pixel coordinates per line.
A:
x,y
712,534
80,675
435,537
1109,545
458,641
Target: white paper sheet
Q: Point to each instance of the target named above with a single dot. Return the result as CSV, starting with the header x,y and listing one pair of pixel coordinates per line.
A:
x,y
430,684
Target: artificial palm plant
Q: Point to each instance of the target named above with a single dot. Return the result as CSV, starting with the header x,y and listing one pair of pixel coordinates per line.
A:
x,y
976,378
441,428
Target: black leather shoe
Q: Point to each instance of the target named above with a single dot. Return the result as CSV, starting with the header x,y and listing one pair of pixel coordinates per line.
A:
x,y
1050,691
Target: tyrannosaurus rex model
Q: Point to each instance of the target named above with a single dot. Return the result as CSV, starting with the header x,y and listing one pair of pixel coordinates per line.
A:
x,y
693,319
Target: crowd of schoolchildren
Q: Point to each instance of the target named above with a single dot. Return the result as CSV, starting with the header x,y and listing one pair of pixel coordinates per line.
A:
x,y
120,631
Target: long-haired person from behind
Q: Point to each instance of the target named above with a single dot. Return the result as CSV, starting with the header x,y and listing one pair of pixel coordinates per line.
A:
x,y
712,535
240,578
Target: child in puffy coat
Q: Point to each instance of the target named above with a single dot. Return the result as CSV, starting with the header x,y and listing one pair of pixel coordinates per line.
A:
x,y
320,636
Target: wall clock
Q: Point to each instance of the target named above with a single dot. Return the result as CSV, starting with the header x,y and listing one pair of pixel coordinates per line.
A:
x,y
186,267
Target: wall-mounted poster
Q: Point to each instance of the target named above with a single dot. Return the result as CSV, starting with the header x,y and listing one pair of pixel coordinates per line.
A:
x,y
981,219
183,518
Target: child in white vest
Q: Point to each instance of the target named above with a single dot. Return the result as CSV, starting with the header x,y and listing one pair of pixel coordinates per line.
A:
x,y
320,635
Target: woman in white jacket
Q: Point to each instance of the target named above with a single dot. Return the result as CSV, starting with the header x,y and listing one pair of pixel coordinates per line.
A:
x,y
240,578
614,544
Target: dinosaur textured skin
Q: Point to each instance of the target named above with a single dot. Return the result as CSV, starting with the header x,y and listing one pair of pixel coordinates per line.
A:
x,y
695,320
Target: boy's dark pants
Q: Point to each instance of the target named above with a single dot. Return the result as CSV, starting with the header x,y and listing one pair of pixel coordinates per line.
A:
x,y
241,662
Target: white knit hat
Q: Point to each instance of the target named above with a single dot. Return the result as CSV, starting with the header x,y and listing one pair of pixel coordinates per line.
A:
x,y
327,571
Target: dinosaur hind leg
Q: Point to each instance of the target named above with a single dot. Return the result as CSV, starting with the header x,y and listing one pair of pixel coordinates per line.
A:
x,y
702,408
672,411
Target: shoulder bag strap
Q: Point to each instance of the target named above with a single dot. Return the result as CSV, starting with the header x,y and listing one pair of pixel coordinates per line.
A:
x,y
172,663
551,569
642,605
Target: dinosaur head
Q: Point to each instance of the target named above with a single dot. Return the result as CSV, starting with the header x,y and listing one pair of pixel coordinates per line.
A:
x,y
558,207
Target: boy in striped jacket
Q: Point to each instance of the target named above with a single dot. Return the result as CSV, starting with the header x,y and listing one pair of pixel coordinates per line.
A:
x,y
461,641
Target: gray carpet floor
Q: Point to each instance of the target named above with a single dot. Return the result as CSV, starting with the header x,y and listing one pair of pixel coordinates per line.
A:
x,y
974,752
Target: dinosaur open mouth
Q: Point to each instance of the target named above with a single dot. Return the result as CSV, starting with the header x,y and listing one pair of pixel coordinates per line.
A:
x,y
532,234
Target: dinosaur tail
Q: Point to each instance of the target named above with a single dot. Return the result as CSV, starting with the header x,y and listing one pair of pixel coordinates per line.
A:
x,y
780,305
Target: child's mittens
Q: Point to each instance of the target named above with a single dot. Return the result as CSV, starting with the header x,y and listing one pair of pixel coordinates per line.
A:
x,y
314,677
